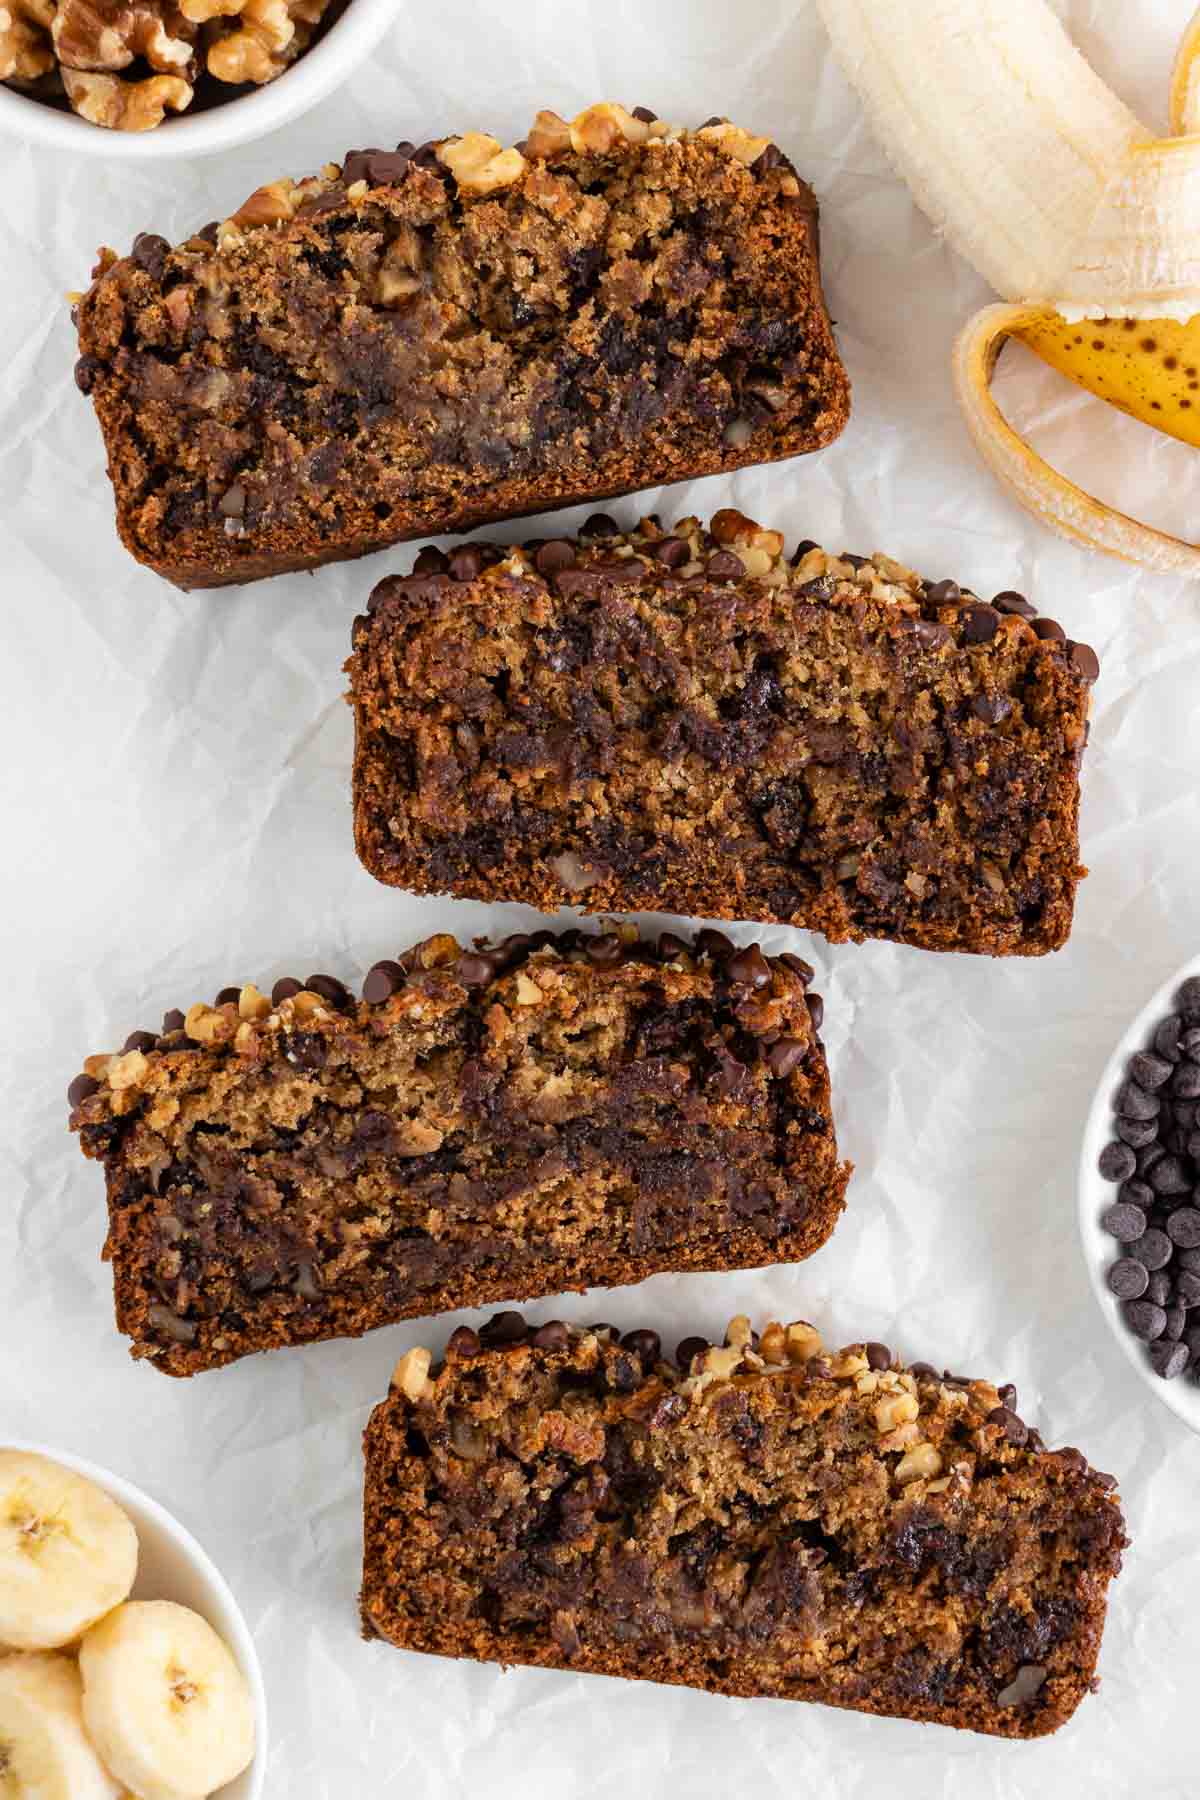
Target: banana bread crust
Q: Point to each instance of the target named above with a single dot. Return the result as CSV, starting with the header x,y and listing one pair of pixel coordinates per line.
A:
x,y
421,341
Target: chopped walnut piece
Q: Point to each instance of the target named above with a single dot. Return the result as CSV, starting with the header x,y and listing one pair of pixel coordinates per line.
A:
x,y
895,1409
256,48
210,1024
918,1463
96,35
268,205
26,51
743,146
125,105
478,163
128,1070
411,1374
252,1004
549,136
803,1341
598,128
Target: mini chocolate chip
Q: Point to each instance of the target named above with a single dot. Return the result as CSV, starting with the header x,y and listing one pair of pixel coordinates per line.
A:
x,y
503,1328
463,1342
644,114
798,966
554,556
943,593
1168,1359
140,1040
1050,630
927,631
1014,1428
674,551
980,623
816,1010
1071,1459
81,1089
150,252
1116,1162
670,947
1085,661
723,565
1133,1102
1010,602
923,1370
786,1054
467,564
329,989
1128,1279
1168,1176
1152,1249
600,526
475,971
689,1349
553,1335
878,1356
713,943
1149,1071
1124,1222
431,561
173,1021
1008,1396
1158,1288
1144,1319
991,708
645,1345
749,968
383,980
1183,1227
228,996
86,371
606,950
305,1049
803,548
284,989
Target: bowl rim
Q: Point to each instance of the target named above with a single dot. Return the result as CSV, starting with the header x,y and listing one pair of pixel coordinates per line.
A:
x,y
1181,1396
224,126
123,1490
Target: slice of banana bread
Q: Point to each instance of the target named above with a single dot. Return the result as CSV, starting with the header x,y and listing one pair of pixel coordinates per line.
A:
x,y
761,1519
555,1112
418,341
691,721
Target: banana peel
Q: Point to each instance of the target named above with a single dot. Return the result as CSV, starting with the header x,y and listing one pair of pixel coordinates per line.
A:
x,y
1069,206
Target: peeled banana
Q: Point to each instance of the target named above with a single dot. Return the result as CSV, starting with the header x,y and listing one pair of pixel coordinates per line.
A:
x,y
44,1751
1068,205
164,1701
67,1553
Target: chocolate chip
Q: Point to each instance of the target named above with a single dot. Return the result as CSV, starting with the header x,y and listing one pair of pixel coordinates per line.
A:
x,y
81,1089
923,1370
670,947
645,1345
1144,1319
150,252
1187,999
749,968
1187,1288
1168,1359
86,371
599,526
1128,1279
475,971
1085,661
467,564
991,708
463,1342
1185,1082
1116,1162
503,1328
383,980
786,1054
980,623
605,951
173,1021
431,561
674,551
878,1356
856,562
798,966
379,168
1166,1038
305,1049
723,565
1168,1176
140,1040
1123,1221
713,943
943,593
1183,1227
285,988
1133,1102
1017,604
1008,1396
1149,1071
228,996
553,1335
603,1330
1050,630
927,632
1158,1288
1137,1133
689,1349
644,114
1152,1249
554,556
329,989
803,547
1013,1428
1189,1260
816,1010
1176,1319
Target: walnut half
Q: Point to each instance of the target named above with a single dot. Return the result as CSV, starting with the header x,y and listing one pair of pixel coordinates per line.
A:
x,y
26,51
125,105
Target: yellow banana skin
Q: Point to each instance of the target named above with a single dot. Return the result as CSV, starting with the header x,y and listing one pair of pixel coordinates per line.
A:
x,y
1150,368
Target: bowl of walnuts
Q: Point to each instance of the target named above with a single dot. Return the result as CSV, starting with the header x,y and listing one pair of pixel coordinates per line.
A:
x,y
148,78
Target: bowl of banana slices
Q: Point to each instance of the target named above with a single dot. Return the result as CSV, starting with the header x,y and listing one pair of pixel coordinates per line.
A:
x,y
127,1671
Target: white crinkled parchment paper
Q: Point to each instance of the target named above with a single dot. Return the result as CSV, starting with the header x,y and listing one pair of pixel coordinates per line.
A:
x,y
175,817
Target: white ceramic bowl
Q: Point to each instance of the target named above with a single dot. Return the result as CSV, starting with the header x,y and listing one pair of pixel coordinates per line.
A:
x,y
220,127
172,1566
1099,1250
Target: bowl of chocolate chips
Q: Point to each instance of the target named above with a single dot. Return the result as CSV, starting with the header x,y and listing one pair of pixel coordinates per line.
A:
x,y
144,79
1139,1193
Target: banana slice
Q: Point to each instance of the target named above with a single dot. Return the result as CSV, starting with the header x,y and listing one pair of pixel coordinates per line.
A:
x,y
68,1554
44,1751
164,1702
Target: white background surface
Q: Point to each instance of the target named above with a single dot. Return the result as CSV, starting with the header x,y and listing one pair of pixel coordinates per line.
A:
x,y
174,776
